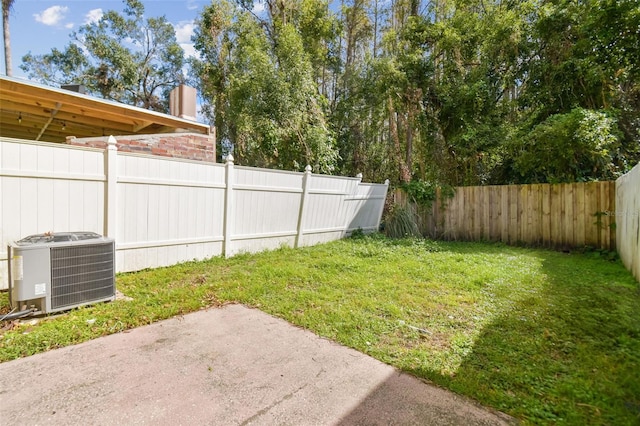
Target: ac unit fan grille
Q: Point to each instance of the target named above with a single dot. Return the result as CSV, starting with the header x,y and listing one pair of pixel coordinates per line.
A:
x,y
81,274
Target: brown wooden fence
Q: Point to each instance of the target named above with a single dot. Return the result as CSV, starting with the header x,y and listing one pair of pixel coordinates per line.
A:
x,y
558,216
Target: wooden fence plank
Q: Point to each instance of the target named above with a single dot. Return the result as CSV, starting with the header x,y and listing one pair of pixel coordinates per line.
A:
x,y
475,206
568,217
479,216
493,215
522,213
546,214
437,214
504,212
551,215
513,215
555,215
532,214
535,198
485,199
612,207
450,215
591,215
461,218
579,219
607,219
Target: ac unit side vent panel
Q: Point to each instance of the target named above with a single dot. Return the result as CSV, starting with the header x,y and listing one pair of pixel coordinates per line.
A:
x,y
81,273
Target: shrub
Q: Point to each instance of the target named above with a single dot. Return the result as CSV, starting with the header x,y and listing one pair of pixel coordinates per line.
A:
x,y
578,146
402,221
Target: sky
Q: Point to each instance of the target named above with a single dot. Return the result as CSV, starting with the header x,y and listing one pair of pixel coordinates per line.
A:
x,y
37,26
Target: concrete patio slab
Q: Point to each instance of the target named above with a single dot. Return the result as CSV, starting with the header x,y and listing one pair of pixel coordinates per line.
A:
x,y
226,366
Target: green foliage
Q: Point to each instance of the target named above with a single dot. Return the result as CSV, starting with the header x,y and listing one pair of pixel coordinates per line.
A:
x,y
464,93
57,67
610,255
424,193
577,146
357,234
547,337
258,81
448,91
124,57
421,192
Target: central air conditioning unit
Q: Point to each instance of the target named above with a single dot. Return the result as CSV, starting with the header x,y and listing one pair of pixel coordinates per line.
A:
x,y
59,271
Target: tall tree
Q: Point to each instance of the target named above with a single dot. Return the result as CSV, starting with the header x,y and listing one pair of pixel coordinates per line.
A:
x,y
580,95
261,88
124,57
6,34
461,92
475,48
352,102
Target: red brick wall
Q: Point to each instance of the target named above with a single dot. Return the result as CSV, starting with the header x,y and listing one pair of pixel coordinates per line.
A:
x,y
190,146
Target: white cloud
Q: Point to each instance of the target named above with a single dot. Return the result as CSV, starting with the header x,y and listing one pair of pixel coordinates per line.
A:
x,y
184,31
258,7
192,5
51,16
93,16
189,50
69,25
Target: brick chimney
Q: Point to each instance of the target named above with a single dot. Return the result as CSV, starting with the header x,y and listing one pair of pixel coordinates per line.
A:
x,y
182,102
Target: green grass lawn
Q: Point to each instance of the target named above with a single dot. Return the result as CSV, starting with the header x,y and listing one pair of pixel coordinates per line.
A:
x,y
544,336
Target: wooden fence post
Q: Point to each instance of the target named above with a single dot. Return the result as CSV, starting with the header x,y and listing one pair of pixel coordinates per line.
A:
x,y
303,200
228,206
111,188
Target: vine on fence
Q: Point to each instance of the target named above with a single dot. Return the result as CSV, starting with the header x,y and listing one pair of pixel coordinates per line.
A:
x,y
424,193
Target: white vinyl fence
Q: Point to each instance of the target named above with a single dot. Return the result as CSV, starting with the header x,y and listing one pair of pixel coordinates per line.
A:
x,y
162,211
627,218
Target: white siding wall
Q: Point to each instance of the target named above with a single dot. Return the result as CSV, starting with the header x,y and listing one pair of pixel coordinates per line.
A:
x,y
169,211
627,217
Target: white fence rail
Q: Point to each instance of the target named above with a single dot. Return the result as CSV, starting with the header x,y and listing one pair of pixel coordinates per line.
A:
x,y
627,218
162,211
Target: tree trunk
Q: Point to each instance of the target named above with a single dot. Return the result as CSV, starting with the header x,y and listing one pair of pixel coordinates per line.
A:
x,y
375,30
6,8
405,174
